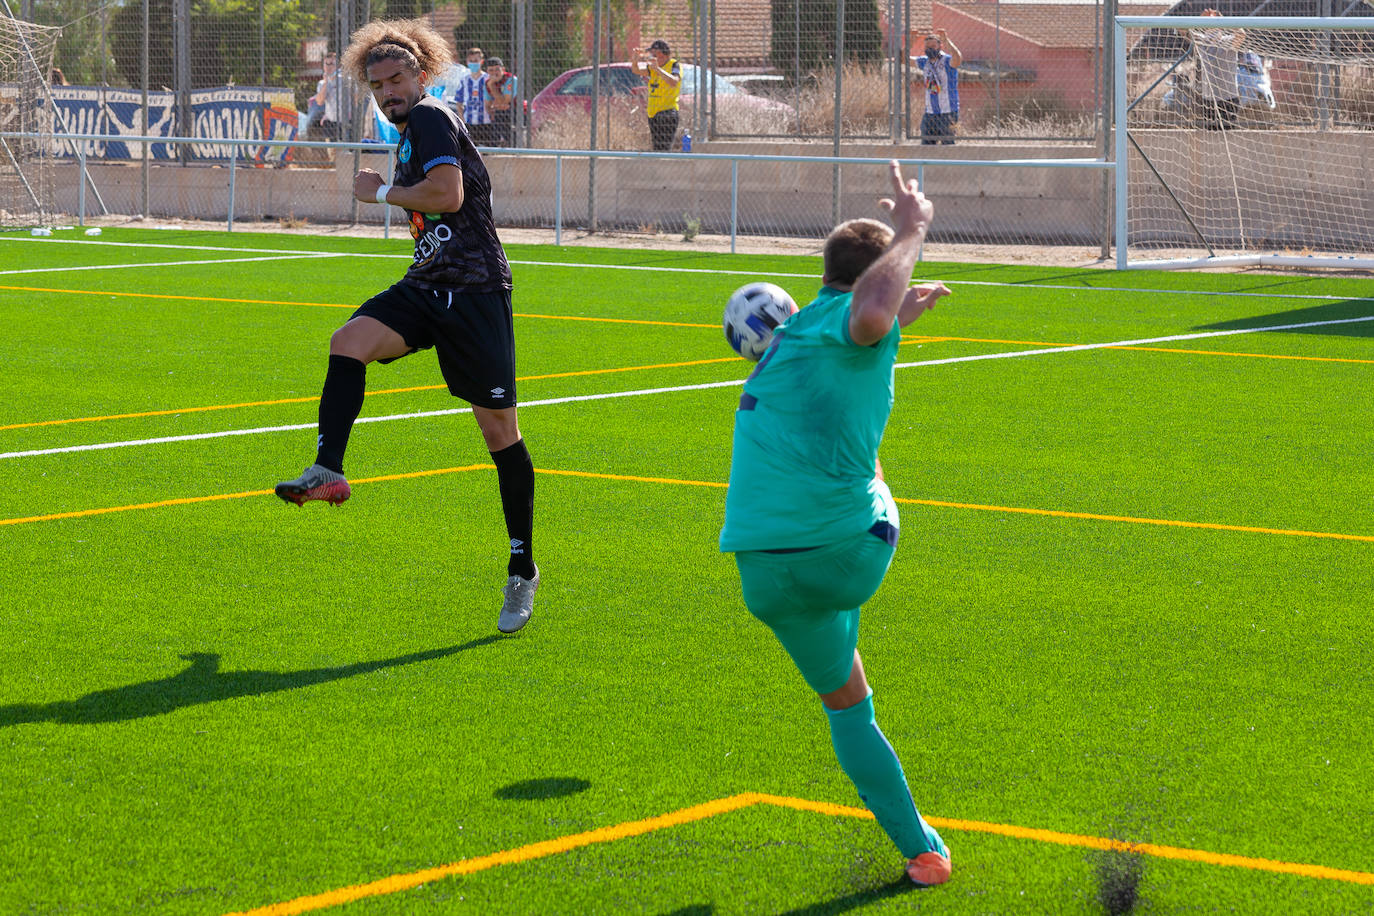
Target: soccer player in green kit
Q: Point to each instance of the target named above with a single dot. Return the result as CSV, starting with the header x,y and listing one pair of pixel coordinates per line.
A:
x,y
807,515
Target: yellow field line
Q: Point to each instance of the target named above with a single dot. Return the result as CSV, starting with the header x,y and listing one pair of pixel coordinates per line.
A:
x,y
600,476
595,475
313,398
1134,520
405,881
678,365
326,305
1160,852
83,513
680,324
528,853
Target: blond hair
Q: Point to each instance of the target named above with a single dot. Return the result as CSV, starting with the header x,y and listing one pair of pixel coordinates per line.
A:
x,y
410,41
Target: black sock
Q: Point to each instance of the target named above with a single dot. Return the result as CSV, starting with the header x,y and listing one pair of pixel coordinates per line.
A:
x,y
515,474
340,403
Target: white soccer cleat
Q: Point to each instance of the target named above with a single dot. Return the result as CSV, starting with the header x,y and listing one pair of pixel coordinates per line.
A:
x,y
519,603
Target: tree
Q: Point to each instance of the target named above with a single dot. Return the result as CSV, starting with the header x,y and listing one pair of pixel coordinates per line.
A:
x,y
80,48
552,37
807,42
229,44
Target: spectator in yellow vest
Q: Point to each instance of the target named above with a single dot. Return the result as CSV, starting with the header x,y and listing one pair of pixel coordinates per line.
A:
x,y
664,74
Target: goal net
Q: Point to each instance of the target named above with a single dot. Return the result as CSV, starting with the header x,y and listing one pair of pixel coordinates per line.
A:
x,y
26,122
1247,140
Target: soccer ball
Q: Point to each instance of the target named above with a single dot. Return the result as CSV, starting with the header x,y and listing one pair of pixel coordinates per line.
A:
x,y
752,313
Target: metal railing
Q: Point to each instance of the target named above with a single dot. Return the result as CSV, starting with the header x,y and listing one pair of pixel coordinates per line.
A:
x,y
560,156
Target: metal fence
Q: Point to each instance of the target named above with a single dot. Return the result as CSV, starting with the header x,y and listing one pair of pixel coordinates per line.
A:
x,y
1044,202
843,70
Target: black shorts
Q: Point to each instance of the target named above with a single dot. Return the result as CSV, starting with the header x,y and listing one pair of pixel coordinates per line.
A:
x,y
471,333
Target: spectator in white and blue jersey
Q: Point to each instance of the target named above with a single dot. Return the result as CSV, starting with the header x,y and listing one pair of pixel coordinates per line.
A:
x,y
938,77
471,101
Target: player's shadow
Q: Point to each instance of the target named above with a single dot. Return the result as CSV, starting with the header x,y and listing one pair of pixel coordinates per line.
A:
x,y
855,900
540,789
201,682
1341,311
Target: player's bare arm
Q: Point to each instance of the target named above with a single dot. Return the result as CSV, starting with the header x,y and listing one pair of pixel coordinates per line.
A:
x,y
918,300
441,191
881,290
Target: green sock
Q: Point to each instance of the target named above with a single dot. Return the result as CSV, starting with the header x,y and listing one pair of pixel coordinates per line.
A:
x,y
872,765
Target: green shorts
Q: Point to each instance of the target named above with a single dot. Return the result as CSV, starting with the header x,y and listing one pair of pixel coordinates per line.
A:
x,y
811,599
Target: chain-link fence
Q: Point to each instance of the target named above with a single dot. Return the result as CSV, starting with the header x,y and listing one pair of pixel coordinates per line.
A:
x,y
998,80
936,71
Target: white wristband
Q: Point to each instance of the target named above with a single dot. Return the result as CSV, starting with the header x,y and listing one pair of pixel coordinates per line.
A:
x,y
381,193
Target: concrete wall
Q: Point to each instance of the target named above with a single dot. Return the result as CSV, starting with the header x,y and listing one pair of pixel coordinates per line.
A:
x,y
1326,196
775,198
1296,190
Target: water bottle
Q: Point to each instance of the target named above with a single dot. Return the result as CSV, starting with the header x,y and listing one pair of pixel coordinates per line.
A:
x,y
686,142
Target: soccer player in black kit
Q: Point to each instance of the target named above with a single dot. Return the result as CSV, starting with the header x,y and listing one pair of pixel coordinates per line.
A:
x,y
456,296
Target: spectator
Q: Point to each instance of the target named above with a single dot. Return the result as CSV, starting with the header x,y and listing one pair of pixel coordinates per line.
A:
x,y
58,78
664,74
325,102
446,86
1253,77
471,107
1217,81
498,92
939,69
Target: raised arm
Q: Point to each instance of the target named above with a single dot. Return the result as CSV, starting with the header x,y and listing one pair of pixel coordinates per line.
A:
x,y
881,292
956,59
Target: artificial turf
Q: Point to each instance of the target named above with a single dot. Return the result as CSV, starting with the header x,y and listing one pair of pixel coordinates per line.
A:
x,y
219,702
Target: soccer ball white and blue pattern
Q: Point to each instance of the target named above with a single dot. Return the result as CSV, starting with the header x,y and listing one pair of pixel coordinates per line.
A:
x,y
751,316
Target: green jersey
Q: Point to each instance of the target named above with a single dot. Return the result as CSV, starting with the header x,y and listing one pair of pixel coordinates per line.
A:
x,y
807,433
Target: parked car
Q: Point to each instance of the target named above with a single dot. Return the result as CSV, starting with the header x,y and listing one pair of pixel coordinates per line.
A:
x,y
572,91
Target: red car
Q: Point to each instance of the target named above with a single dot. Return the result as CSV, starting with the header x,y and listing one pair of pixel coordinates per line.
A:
x,y
620,84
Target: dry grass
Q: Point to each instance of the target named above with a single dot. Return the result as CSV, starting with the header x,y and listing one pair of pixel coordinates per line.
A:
x,y
1031,115
864,107
1357,96
734,118
623,126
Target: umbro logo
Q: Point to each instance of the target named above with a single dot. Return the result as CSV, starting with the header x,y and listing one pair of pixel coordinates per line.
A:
x,y
497,392
517,545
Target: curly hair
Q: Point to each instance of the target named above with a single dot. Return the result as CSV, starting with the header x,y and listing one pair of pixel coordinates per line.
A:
x,y
410,41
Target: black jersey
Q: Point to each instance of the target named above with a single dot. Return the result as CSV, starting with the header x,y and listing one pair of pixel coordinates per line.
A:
x,y
453,251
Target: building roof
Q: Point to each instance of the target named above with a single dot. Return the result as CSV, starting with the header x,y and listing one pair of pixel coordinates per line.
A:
x,y
1049,25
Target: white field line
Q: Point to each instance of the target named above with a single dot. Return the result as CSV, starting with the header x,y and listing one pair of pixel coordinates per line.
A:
x,y
702,270
281,257
1131,343
109,244
646,391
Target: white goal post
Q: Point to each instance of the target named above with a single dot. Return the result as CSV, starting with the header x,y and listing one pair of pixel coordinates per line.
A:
x,y
26,121
1244,141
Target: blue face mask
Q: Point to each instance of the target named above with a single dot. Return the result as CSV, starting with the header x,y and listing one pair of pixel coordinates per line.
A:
x,y
475,67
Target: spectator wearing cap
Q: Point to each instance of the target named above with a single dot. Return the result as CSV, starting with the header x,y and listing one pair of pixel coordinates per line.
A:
x,y
664,74
498,93
938,70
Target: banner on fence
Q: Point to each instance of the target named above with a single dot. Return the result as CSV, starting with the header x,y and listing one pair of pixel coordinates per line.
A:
x,y
216,114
